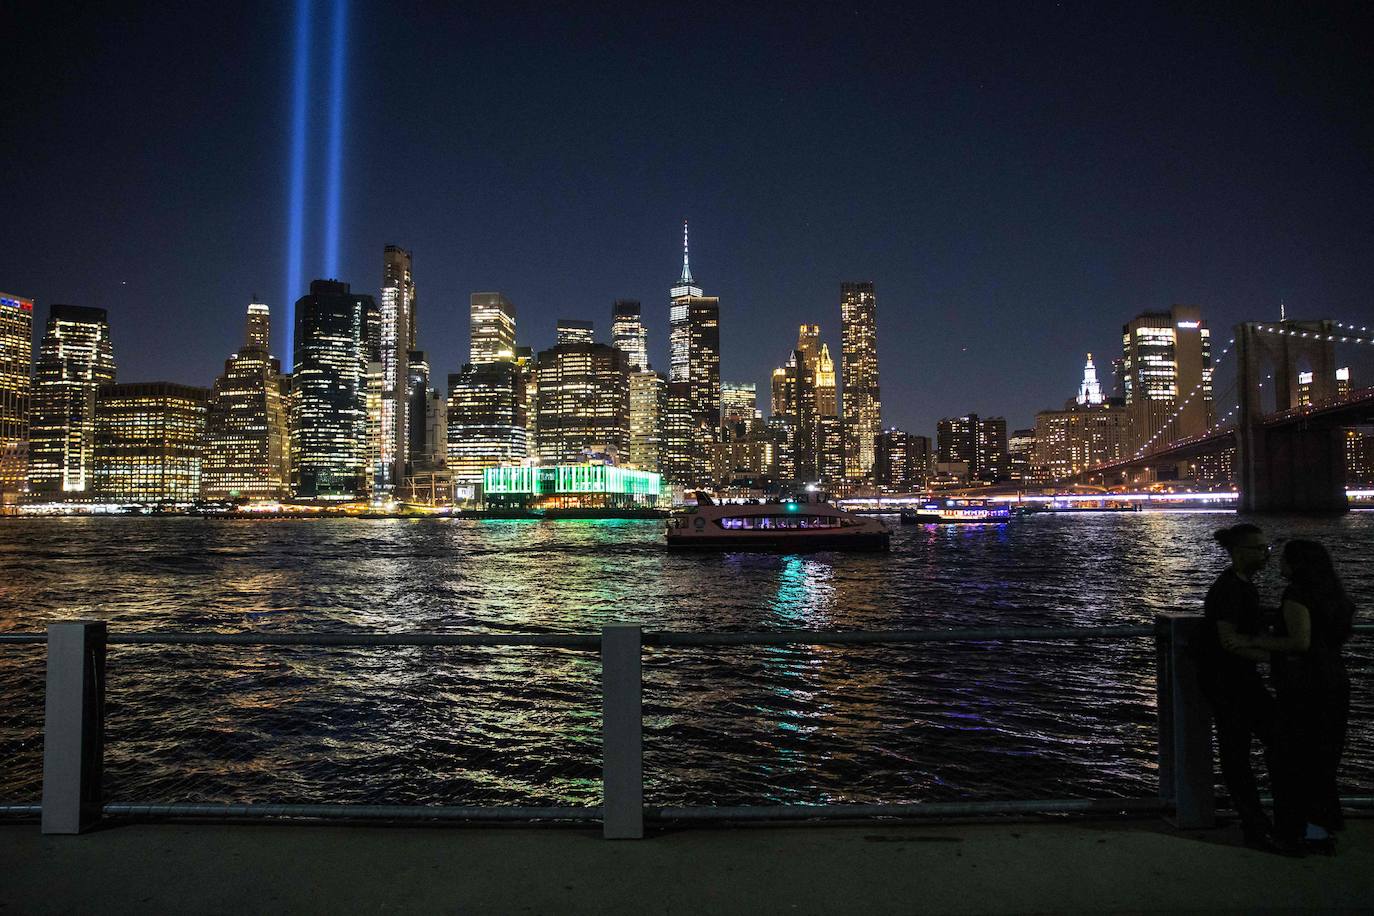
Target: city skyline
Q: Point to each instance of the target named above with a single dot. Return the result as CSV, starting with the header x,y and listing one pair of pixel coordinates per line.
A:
x,y
1011,168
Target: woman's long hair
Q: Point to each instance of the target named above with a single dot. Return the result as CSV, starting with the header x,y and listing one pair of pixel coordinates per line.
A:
x,y
1315,575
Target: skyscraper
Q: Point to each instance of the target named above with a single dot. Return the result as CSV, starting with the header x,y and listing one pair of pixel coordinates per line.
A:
x,y
628,333
247,443
16,365
75,358
149,438
694,360
571,330
493,328
901,462
486,419
1166,375
584,402
739,407
979,442
1090,392
397,339
829,435
859,374
337,341
648,395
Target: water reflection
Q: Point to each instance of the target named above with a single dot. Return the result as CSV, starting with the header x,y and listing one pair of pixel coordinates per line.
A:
x,y
503,726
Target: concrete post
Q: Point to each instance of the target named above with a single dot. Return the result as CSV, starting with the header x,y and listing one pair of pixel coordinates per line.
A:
x,y
622,732
1185,727
73,726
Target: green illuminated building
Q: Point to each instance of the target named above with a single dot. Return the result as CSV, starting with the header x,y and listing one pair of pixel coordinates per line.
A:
x,y
571,486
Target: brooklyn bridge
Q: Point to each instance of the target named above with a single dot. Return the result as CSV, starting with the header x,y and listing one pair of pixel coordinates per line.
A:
x,y
1283,439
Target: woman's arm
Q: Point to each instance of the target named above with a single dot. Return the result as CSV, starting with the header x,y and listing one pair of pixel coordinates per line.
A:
x,y
1231,641
1299,623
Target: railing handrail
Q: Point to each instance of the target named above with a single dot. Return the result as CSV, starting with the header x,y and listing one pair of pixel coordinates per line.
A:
x,y
659,638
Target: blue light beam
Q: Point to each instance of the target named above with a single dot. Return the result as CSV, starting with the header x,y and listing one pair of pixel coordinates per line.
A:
x,y
336,113
295,230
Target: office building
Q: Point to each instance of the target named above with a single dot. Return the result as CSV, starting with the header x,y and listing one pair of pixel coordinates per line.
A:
x,y
694,360
486,419
1166,377
978,442
901,461
16,368
397,340
336,375
862,403
570,330
493,328
739,408
1079,437
148,442
583,403
676,459
648,396
1021,459
628,333
247,441
75,358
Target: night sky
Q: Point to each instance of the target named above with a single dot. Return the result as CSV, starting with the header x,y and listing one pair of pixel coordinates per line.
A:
x,y
1017,179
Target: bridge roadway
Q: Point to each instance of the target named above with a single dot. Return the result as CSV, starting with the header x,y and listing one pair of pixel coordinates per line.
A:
x,y
1044,866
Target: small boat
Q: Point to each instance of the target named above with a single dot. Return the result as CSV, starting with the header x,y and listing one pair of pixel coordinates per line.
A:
x,y
788,525
958,512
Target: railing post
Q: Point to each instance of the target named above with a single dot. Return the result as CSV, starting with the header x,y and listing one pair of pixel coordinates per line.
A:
x,y
1185,727
73,726
622,737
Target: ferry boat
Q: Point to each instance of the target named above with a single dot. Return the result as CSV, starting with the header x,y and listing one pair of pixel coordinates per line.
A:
x,y
958,511
791,525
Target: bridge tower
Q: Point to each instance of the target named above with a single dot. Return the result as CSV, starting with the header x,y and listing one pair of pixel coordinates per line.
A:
x,y
1291,467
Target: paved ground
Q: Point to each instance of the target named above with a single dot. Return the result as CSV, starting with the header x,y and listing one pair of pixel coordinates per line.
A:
x,y
1041,867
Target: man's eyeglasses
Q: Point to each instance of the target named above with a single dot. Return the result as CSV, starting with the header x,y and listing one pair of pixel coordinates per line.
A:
x,y
1265,547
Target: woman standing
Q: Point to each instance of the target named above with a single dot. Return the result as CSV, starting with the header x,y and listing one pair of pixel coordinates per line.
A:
x,y
1312,693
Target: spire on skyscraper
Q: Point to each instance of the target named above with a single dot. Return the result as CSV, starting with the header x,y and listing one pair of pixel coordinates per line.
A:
x,y
1090,392
686,269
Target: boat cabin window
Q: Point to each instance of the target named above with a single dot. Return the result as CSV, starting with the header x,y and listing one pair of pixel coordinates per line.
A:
x,y
776,522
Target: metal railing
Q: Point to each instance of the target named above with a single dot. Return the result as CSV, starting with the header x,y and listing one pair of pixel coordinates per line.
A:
x,y
74,725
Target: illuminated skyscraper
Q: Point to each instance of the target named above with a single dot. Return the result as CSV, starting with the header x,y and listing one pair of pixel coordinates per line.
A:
x,y
16,365
1166,364
648,394
148,443
694,359
397,271
486,419
337,341
829,432
571,330
247,444
676,461
859,373
979,442
901,462
584,402
493,328
1090,392
75,358
739,407
628,333
397,339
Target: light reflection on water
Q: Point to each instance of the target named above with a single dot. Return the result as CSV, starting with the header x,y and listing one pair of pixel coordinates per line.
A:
x,y
728,725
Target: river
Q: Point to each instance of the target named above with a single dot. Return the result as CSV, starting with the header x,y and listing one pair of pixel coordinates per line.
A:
x,y
933,722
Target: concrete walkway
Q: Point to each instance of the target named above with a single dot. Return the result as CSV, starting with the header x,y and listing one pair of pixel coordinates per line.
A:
x,y
1041,867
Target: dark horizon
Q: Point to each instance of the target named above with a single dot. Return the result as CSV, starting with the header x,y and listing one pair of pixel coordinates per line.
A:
x,y
1016,182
